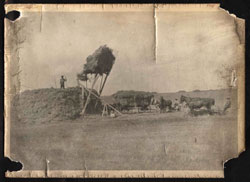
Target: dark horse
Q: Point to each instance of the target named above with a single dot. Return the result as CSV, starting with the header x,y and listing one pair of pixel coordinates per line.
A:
x,y
163,104
197,102
121,107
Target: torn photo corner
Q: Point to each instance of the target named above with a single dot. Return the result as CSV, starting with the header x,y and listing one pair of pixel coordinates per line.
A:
x,y
123,90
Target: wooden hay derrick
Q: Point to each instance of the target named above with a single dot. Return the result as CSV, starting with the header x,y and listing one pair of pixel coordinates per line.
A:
x,y
106,105
98,64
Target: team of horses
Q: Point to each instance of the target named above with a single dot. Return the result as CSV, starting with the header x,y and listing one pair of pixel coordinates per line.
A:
x,y
197,102
193,103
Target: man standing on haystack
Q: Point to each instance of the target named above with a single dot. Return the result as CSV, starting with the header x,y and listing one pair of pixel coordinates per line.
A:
x,y
62,81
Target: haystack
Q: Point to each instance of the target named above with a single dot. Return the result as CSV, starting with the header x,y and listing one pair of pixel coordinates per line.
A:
x,y
50,104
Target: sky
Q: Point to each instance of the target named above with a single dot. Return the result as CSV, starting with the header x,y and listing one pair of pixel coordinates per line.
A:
x,y
190,48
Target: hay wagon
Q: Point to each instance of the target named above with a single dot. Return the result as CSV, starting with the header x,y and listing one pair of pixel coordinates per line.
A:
x,y
132,101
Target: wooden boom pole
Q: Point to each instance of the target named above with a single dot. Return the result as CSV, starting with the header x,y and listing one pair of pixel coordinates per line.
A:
x,y
105,79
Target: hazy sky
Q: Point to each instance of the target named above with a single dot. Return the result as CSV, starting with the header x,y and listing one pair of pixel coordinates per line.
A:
x,y
191,47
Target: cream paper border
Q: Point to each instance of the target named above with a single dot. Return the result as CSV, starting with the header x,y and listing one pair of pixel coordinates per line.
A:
x,y
119,173
241,98
110,7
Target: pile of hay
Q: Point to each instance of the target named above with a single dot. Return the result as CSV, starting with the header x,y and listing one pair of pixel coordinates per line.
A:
x,y
100,62
48,105
133,98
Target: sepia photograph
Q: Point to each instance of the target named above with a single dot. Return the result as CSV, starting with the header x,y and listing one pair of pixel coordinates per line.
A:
x,y
123,90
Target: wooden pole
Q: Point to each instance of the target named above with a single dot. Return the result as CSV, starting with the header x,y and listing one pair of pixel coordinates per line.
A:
x,y
101,84
105,110
82,93
101,87
83,101
100,92
86,103
77,80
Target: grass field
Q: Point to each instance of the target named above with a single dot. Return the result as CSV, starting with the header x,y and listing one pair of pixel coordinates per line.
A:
x,y
144,141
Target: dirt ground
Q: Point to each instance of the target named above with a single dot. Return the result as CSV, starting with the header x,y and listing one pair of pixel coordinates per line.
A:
x,y
144,141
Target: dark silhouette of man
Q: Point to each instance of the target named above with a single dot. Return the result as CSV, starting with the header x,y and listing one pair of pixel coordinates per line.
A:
x,y
176,105
162,104
227,105
62,81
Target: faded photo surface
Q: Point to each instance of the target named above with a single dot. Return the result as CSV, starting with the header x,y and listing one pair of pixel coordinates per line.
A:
x,y
116,90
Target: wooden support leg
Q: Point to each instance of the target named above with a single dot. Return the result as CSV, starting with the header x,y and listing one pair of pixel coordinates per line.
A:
x,y
82,96
105,110
105,79
82,93
87,101
100,88
78,83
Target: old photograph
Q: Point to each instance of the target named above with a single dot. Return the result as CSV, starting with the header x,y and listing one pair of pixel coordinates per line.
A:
x,y
123,90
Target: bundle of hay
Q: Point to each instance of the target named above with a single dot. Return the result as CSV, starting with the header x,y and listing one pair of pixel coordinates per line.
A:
x,y
133,98
100,62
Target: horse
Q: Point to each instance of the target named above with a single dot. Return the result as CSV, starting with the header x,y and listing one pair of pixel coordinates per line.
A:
x,y
197,102
121,107
163,104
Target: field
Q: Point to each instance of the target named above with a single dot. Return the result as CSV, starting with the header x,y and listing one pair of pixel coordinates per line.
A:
x,y
142,141
137,141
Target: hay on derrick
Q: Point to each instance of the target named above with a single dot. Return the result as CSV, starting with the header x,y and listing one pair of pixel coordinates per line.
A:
x,y
133,98
82,76
100,62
